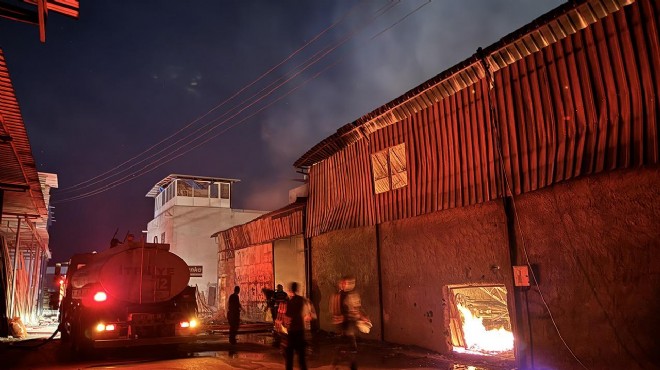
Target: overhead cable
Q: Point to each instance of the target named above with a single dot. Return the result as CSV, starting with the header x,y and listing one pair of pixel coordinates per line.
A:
x,y
302,67
91,181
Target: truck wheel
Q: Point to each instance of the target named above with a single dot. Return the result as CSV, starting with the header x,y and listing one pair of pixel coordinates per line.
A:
x,y
80,344
65,331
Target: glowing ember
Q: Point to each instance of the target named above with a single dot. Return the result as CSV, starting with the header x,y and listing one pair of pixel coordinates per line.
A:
x,y
477,338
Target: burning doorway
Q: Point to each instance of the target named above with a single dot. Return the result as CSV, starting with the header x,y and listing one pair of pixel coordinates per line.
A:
x,y
479,320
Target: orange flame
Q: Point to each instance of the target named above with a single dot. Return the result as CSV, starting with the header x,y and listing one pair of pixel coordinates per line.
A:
x,y
477,338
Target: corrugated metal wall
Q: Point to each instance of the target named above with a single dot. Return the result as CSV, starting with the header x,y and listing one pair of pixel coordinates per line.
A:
x,y
280,224
450,155
585,104
347,200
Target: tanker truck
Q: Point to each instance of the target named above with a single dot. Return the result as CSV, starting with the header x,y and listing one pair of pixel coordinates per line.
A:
x,y
132,294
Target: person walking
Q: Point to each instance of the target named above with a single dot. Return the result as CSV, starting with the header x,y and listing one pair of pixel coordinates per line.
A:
x,y
280,298
234,309
347,315
295,320
268,310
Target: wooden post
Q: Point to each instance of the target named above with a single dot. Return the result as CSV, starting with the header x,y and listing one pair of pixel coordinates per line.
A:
x,y
34,286
4,327
17,250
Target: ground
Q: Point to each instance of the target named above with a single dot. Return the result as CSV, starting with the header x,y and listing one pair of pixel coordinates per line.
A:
x,y
254,351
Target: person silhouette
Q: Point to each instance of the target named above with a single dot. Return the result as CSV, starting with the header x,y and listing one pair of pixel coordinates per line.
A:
x,y
295,322
234,309
280,298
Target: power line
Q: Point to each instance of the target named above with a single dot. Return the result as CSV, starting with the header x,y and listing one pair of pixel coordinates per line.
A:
x,y
402,19
308,63
147,169
91,181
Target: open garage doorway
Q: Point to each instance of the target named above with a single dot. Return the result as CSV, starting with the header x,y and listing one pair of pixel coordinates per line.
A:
x,y
479,320
289,263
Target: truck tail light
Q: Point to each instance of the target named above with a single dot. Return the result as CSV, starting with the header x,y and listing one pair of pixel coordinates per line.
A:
x,y
100,297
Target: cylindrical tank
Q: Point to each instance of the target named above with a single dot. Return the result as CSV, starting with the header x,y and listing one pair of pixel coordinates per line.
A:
x,y
136,275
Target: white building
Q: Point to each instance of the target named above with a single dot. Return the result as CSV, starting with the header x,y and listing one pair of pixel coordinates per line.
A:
x,y
187,211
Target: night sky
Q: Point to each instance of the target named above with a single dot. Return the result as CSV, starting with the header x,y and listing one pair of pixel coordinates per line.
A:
x,y
135,90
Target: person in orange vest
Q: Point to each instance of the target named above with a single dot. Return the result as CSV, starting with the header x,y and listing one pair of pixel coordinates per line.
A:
x,y
348,316
280,299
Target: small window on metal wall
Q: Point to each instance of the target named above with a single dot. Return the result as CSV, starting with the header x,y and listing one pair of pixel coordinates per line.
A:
x,y
213,190
162,237
389,169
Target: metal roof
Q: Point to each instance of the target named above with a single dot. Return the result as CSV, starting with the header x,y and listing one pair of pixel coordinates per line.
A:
x,y
546,30
36,11
278,213
155,190
22,184
18,172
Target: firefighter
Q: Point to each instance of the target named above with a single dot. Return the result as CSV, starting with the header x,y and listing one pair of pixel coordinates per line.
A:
x,y
280,298
348,316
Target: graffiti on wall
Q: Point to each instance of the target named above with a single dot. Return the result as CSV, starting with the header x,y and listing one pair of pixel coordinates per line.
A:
x,y
253,272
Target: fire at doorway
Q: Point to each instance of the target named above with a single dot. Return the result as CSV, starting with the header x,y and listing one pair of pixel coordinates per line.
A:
x,y
479,320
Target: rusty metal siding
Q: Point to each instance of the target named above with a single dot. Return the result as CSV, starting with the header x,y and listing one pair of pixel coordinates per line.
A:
x,y
450,155
18,167
584,104
275,225
343,198
450,159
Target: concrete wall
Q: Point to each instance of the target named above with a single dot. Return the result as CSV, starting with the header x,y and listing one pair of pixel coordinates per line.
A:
x,y
226,283
596,243
346,252
422,255
189,230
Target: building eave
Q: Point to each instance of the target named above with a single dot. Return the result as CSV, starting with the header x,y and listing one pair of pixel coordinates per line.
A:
x,y
18,173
